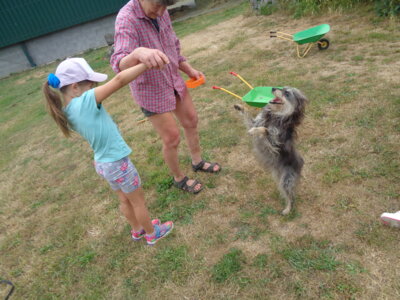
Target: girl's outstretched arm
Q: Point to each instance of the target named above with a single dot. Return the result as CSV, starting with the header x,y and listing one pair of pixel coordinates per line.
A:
x,y
120,80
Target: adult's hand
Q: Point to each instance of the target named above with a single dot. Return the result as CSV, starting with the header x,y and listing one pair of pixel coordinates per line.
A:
x,y
190,71
193,73
152,58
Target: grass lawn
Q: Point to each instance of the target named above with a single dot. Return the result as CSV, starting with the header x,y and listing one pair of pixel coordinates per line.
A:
x,y
63,237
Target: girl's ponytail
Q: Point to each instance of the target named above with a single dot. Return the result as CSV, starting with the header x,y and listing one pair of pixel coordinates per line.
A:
x,y
54,106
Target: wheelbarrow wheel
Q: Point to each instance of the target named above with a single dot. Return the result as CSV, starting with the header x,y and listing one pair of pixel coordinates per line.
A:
x,y
323,44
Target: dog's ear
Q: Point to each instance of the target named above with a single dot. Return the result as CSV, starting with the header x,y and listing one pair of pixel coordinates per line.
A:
x,y
300,96
301,102
300,108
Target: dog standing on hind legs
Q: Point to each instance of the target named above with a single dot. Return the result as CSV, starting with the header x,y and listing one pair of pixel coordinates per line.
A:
x,y
274,133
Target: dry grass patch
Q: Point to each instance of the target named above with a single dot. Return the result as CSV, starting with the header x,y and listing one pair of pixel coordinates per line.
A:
x,y
62,235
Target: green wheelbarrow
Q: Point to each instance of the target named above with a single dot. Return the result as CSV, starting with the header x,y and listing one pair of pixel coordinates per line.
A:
x,y
257,96
309,36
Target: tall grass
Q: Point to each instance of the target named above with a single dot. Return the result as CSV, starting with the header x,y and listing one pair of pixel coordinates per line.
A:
x,y
300,8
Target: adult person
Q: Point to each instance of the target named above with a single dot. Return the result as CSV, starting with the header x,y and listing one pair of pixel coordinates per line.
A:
x,y
144,34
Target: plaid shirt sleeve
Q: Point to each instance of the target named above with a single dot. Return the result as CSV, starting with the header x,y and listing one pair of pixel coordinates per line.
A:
x,y
125,41
178,49
177,42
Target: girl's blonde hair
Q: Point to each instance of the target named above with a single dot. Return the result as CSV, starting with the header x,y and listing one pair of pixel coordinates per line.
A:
x,y
55,105
55,108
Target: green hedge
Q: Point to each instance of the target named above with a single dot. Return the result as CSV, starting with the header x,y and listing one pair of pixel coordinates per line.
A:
x,y
301,8
387,7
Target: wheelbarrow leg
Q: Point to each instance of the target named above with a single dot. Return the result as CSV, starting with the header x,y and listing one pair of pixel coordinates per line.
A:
x,y
306,50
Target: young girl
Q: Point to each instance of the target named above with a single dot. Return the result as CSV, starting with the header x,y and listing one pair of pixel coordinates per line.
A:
x,y
82,112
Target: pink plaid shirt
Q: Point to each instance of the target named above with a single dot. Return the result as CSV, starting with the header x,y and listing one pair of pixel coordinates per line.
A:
x,y
154,89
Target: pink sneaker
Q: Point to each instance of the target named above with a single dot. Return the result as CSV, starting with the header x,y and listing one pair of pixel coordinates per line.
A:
x,y
137,235
160,231
391,219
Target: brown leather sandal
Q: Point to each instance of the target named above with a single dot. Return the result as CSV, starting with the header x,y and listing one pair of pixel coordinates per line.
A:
x,y
188,188
210,169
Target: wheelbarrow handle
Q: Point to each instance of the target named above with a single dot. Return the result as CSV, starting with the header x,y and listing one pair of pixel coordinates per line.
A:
x,y
242,79
226,91
141,121
281,35
11,290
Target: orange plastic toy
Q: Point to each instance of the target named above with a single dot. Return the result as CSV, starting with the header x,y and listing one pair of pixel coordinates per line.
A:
x,y
193,83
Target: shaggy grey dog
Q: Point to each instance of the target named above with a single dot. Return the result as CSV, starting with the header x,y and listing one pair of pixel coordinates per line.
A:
x,y
274,133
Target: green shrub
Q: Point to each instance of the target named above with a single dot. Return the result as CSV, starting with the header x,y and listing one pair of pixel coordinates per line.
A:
x,y
387,8
301,8
268,9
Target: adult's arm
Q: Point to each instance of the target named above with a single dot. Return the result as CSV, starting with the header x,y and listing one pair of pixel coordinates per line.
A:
x,y
125,41
189,70
177,43
184,65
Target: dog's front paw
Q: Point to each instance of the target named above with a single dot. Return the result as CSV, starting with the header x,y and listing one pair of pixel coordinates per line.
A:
x,y
239,108
258,131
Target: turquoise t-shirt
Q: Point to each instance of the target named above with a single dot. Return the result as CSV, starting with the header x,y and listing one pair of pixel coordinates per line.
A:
x,y
94,124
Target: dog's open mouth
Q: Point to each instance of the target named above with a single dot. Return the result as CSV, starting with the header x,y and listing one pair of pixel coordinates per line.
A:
x,y
276,100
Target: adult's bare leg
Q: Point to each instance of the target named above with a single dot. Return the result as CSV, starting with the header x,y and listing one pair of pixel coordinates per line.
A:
x,y
168,130
187,116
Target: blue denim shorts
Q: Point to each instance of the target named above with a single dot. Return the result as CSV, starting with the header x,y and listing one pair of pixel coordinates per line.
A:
x,y
121,174
147,113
